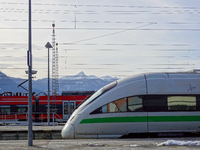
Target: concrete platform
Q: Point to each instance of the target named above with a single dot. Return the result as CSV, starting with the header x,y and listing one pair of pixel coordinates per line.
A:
x,y
21,132
35,128
100,144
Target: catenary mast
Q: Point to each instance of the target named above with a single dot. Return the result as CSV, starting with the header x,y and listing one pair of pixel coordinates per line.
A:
x,y
55,75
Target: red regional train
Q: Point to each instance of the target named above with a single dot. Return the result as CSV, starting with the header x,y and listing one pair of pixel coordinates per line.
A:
x,y
14,107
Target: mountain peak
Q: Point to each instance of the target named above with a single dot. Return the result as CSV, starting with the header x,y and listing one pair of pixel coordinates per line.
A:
x,y
81,74
3,76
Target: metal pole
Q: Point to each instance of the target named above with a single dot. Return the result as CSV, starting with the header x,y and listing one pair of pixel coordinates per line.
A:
x,y
48,93
48,45
30,134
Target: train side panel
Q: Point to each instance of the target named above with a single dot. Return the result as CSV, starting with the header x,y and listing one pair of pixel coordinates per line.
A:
x,y
16,107
111,125
174,121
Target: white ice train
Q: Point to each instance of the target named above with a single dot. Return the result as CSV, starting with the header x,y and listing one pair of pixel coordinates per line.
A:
x,y
146,103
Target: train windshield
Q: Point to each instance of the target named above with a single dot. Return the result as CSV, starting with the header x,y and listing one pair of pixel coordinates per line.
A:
x,y
98,93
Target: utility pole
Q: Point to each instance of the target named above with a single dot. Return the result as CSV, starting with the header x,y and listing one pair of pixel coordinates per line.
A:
x,y
48,45
29,63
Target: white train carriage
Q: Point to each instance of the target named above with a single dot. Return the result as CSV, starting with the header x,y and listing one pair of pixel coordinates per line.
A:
x,y
146,103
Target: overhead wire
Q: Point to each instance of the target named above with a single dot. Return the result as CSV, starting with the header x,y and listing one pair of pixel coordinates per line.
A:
x,y
105,35
100,5
144,29
108,22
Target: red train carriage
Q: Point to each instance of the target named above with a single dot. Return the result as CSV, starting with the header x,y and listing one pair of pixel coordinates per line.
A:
x,y
15,108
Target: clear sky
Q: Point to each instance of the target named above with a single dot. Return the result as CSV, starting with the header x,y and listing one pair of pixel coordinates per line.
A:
x,y
107,37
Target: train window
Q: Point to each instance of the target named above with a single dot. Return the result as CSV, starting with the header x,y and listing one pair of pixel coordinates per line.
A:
x,y
113,107
5,109
181,103
72,107
100,110
51,109
151,103
135,104
198,102
104,109
117,106
66,108
22,108
58,109
155,103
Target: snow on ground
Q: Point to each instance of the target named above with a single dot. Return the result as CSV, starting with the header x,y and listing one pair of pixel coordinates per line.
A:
x,y
179,143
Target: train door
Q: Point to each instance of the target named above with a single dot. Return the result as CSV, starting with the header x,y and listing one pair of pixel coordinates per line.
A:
x,y
156,105
68,107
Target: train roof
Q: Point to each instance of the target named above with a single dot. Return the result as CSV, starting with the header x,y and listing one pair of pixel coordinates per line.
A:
x,y
189,74
172,75
163,83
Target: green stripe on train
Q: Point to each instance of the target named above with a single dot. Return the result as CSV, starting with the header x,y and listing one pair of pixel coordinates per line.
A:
x,y
141,119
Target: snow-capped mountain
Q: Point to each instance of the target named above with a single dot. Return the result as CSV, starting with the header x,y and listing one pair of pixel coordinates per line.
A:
x,y
108,78
80,76
82,82
78,82
7,84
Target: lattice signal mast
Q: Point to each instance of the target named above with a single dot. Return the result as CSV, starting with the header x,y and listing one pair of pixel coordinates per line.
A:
x,y
55,75
57,71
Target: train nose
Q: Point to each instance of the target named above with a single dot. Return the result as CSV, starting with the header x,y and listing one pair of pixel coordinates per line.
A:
x,y
68,131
